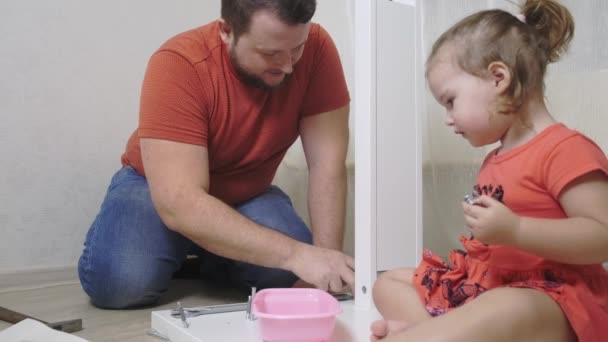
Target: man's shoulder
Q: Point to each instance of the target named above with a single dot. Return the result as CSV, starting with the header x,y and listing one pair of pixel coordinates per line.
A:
x,y
318,33
195,45
316,46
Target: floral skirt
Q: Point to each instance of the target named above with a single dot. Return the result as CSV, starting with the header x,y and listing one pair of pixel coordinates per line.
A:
x,y
581,291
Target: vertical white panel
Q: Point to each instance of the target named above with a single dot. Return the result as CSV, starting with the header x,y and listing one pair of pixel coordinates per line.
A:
x,y
397,138
365,166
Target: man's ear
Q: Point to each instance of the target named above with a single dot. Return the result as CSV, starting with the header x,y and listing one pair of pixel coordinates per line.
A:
x,y
226,32
500,74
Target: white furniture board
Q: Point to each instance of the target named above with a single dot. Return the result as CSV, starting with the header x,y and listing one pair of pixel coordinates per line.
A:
x,y
398,151
352,325
30,330
388,168
365,151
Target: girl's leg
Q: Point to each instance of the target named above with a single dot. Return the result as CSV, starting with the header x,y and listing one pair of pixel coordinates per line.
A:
x,y
397,300
502,314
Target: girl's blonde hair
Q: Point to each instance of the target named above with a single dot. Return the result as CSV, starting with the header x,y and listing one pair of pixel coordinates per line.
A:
x,y
525,46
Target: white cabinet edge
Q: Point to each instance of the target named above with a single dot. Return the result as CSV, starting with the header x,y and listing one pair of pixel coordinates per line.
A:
x,y
406,2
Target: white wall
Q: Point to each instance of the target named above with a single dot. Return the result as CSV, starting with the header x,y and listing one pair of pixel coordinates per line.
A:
x,y
71,73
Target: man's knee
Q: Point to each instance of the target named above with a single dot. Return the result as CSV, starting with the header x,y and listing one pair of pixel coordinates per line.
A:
x,y
288,223
301,233
123,287
274,210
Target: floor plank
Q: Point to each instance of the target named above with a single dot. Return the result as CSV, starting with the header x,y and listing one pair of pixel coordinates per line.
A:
x,y
64,302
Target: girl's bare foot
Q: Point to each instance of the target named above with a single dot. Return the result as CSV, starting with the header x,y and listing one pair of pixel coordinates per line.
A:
x,y
381,329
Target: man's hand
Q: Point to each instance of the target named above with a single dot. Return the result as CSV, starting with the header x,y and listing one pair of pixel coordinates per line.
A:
x,y
490,221
326,269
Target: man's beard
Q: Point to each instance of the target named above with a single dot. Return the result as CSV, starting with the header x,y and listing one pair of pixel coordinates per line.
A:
x,y
251,79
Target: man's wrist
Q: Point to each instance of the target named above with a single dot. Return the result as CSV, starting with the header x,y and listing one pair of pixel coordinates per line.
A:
x,y
293,249
335,245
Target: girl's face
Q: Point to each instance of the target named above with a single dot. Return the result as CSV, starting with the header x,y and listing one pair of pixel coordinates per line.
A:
x,y
470,102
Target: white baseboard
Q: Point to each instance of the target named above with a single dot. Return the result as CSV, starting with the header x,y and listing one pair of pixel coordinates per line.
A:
x,y
37,278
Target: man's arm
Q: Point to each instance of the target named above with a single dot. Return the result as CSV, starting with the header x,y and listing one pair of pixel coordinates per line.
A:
x,y
325,141
178,176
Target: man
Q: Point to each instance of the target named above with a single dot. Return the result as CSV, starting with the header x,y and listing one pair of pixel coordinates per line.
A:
x,y
220,106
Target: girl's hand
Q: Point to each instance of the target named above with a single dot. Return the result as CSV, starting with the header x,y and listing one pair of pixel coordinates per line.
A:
x,y
490,221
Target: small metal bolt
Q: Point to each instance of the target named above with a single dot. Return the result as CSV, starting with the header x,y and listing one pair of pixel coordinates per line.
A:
x,y
470,199
248,314
182,315
153,332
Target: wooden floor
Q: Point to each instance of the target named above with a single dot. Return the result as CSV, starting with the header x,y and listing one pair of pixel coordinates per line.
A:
x,y
64,302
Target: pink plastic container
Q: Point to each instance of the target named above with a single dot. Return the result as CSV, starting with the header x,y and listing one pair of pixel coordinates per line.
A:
x,y
295,315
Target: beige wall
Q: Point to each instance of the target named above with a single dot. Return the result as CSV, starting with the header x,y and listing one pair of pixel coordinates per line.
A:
x,y
71,74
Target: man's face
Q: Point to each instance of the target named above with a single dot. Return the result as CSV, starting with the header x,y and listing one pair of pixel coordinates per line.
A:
x,y
265,55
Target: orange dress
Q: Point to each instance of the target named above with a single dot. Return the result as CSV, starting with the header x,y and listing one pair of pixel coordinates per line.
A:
x,y
528,180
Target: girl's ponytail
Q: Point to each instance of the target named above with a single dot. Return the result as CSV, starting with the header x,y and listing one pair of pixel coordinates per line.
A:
x,y
553,23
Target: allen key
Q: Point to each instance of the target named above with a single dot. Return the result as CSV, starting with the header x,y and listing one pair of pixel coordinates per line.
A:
x,y
182,315
245,306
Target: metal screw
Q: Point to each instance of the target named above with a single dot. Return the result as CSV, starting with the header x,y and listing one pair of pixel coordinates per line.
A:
x,y
250,316
153,332
182,315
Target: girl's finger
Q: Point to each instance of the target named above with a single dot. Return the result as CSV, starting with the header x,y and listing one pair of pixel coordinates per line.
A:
x,y
470,221
485,201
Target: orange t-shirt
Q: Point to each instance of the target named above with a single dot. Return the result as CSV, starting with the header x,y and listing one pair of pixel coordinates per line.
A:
x,y
192,94
530,178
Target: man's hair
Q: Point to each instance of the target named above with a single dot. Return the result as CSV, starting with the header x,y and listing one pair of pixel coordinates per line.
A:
x,y
238,13
526,45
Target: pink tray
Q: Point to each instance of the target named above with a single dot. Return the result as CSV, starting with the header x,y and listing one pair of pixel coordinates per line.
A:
x,y
295,314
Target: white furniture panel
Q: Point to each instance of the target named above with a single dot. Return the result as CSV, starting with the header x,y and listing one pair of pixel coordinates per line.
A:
x,y
397,138
352,325
388,201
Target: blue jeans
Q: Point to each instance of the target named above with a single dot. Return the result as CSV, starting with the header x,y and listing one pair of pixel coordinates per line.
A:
x,y
130,255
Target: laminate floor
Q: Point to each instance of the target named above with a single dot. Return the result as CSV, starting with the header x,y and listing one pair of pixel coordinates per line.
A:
x,y
64,302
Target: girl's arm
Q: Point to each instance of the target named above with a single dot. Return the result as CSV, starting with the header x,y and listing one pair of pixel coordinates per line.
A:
x,y
582,238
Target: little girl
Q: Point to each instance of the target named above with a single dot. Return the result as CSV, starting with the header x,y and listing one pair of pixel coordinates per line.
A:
x,y
532,270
